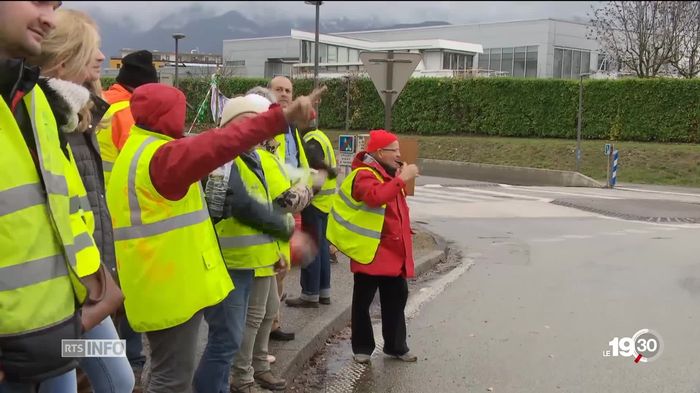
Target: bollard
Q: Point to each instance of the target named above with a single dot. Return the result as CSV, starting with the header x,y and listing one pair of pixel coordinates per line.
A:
x,y
613,175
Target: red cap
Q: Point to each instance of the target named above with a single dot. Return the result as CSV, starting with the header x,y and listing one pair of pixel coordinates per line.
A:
x,y
379,139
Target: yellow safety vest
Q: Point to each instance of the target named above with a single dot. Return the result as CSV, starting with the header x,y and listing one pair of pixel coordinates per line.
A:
x,y
353,227
277,182
108,150
168,259
324,198
282,152
244,247
82,222
38,283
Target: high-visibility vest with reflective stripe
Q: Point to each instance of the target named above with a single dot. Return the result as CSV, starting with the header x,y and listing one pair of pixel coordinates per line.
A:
x,y
353,227
244,247
38,284
277,182
168,258
323,199
108,150
282,152
82,222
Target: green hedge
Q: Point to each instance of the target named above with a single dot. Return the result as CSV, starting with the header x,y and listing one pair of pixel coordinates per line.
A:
x,y
662,110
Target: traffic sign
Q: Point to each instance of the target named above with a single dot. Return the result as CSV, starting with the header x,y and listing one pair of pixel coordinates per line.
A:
x,y
608,147
346,143
345,159
402,65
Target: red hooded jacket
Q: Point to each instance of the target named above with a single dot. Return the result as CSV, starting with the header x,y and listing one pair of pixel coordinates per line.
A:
x,y
180,163
394,256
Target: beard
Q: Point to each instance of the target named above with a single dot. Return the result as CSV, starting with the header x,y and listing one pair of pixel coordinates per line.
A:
x,y
389,169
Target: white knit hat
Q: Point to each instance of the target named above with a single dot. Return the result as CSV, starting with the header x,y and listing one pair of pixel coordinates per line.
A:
x,y
236,106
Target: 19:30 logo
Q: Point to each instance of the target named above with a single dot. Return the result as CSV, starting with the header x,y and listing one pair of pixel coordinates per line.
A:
x,y
644,346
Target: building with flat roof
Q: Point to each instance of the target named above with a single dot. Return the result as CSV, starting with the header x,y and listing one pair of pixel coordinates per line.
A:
x,y
543,48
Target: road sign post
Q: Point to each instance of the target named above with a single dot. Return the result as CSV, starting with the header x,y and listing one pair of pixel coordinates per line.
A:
x,y
389,72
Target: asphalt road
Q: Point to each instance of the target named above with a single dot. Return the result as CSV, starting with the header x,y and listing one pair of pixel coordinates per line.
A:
x,y
548,287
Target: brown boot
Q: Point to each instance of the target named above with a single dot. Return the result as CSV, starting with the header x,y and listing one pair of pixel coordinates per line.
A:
x,y
268,380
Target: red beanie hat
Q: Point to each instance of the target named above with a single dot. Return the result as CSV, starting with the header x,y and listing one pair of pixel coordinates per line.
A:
x,y
379,139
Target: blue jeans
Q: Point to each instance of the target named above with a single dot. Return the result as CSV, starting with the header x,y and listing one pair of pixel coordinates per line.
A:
x,y
316,277
107,374
226,322
134,344
64,383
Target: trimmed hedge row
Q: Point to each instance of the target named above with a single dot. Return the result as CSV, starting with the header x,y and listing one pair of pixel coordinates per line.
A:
x,y
661,110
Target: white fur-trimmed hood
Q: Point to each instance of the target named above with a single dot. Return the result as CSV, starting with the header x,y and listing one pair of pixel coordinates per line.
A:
x,y
66,98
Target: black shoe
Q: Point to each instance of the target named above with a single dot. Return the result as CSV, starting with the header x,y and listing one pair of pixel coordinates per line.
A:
x,y
299,302
324,300
279,335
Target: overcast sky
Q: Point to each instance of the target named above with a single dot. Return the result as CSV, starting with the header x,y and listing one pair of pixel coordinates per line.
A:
x,y
146,14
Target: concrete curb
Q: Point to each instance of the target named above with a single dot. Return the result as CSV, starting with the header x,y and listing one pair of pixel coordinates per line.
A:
x,y
339,319
505,174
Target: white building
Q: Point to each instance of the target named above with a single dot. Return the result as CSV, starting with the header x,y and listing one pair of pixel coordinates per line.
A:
x,y
541,48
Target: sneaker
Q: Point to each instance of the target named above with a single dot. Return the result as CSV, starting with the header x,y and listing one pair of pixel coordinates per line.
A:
x,y
406,357
333,257
271,359
268,380
279,335
362,358
324,300
299,302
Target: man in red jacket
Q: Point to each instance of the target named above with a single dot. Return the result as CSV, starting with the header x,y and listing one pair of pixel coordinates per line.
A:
x,y
393,260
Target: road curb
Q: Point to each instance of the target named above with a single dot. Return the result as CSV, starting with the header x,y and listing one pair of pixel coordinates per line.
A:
x,y
505,174
341,318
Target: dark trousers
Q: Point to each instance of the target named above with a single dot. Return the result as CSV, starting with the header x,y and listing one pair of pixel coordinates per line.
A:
x,y
316,277
393,292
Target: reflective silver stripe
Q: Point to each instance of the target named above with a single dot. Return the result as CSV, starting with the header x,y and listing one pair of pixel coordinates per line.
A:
x,y
354,228
82,242
363,207
160,227
133,199
32,272
107,166
76,203
21,197
326,192
54,184
245,241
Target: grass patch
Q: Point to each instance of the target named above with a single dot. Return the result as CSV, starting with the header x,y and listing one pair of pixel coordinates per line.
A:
x,y
640,162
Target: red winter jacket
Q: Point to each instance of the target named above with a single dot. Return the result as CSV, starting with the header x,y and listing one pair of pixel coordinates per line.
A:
x,y
394,256
180,163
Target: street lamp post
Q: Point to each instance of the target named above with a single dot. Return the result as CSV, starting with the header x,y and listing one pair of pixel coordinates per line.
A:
x,y
177,37
316,54
580,120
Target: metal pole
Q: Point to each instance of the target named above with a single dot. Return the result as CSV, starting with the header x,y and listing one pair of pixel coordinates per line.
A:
x,y
347,107
177,61
389,90
316,56
578,126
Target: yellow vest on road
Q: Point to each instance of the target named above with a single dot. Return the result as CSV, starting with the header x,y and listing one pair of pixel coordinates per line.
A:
x,y
353,227
38,283
168,258
324,198
108,150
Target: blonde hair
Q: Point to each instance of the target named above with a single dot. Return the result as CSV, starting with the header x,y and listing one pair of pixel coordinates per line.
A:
x,y
71,45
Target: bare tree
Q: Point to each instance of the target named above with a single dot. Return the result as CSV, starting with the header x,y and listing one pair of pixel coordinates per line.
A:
x,y
686,57
642,35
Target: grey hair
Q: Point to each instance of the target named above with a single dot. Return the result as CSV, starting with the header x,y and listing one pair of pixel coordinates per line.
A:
x,y
264,92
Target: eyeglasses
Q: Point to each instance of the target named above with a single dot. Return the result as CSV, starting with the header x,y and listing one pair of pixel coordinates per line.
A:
x,y
394,150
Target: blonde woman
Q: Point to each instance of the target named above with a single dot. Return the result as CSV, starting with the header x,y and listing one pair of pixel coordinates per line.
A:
x,y
70,64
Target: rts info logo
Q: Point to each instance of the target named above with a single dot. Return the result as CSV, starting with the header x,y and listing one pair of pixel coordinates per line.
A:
x,y
644,346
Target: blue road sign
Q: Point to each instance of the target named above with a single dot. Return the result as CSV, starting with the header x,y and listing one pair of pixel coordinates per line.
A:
x,y
346,143
608,147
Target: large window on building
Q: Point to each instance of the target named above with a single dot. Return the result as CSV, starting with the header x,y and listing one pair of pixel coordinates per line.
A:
x,y
570,63
457,61
518,62
328,53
